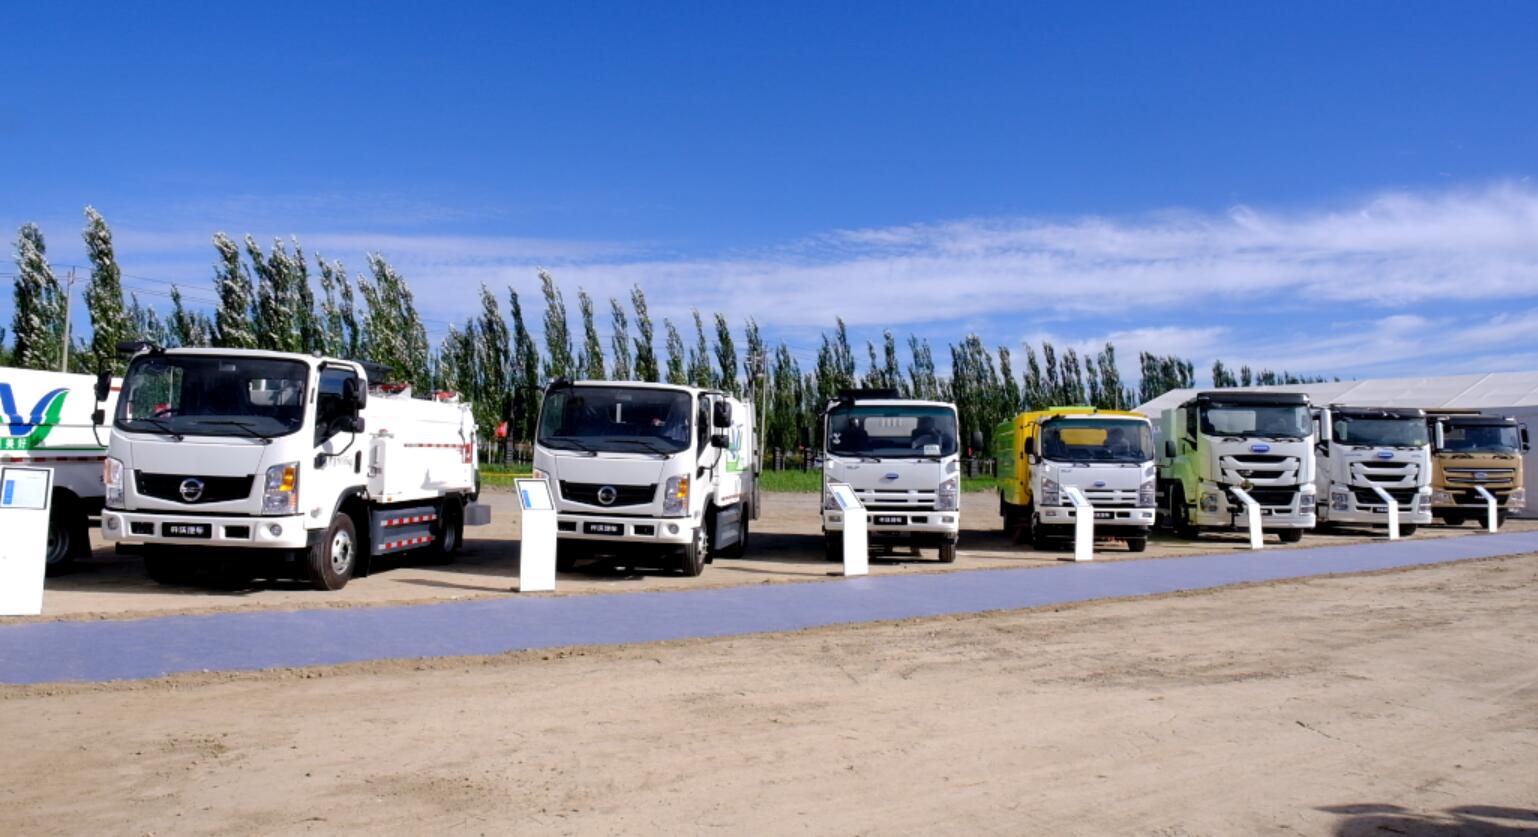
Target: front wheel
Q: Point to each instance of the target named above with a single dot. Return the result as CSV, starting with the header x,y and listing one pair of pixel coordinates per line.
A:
x,y
1180,514
1453,519
1137,544
1290,535
167,567
62,533
693,561
1406,531
948,553
833,547
331,561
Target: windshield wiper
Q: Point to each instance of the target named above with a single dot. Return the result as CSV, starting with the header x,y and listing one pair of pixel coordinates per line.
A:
x,y
243,425
163,426
645,443
571,443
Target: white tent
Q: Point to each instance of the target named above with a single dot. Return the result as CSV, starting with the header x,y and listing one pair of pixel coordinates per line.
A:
x,y
1498,393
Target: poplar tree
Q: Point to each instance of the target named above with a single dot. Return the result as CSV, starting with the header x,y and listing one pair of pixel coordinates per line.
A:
x,y
1114,394
526,380
393,332
334,326
677,370
233,328
645,352
756,365
494,359
310,325
726,357
558,352
620,342
923,383
110,324
1073,380
786,409
277,317
38,320
590,361
187,328
1009,395
700,374
1033,393
1221,376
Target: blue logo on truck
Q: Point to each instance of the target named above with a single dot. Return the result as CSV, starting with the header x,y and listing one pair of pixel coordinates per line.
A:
x,y
1385,454
1260,448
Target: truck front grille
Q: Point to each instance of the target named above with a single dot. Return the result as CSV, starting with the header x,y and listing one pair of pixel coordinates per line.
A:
x,y
1365,496
1272,496
1479,476
214,490
895,499
1260,470
624,495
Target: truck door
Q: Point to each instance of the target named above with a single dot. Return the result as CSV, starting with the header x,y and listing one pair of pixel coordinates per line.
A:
x,y
341,455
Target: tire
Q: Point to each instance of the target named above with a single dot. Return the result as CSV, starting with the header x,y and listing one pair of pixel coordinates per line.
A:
x,y
948,553
1138,544
449,534
1180,514
1407,530
565,559
833,547
333,558
1039,540
1290,535
1500,517
1453,519
62,537
692,562
167,568
1025,523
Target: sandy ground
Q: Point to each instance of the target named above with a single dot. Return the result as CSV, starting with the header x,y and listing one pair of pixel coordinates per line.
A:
x,y
1396,703
786,546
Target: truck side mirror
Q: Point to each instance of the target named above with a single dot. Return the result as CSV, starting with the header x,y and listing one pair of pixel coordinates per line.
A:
x,y
1439,435
721,414
1326,428
977,440
354,394
353,424
1030,447
720,440
103,385
1522,431
1169,448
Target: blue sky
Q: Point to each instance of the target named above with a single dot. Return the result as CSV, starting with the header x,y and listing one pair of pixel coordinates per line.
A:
x,y
1318,187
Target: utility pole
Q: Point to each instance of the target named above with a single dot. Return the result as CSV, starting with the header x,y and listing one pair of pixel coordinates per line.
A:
x,y
69,287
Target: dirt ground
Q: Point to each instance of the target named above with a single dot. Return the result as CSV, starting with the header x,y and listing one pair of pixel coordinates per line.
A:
x,y
786,546
1395,703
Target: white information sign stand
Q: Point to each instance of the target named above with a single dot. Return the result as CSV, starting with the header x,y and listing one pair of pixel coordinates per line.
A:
x,y
1083,524
856,541
1492,518
1252,511
24,497
536,549
1393,512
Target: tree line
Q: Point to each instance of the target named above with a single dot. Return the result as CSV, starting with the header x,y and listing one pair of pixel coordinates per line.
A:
x,y
267,300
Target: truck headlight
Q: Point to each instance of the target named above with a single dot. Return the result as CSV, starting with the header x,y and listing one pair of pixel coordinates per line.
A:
x,y
1518,499
540,475
948,498
281,495
675,496
112,478
1338,501
827,499
1049,494
1209,502
1441,498
1145,494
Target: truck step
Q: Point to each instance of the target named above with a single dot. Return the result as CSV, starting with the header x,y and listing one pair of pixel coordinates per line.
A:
x,y
402,538
400,529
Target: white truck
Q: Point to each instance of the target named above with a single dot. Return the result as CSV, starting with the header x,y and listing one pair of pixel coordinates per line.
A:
x,y
48,424
1361,449
645,471
902,459
235,456
1261,443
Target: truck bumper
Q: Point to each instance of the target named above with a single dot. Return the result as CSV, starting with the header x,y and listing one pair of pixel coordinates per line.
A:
x,y
1301,514
599,529
885,526
1109,518
249,532
1373,515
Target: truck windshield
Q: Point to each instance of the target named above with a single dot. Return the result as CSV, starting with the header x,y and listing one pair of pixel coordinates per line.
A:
x,y
1266,421
1388,433
893,432
213,396
1481,438
1096,440
621,419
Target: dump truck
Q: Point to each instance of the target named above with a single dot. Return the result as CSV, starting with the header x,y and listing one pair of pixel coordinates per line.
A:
x,y
284,464
48,425
657,474
1107,455
1261,443
1362,449
1475,450
901,457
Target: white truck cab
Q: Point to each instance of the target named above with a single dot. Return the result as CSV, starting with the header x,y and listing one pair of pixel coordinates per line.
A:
x,y
236,455
647,470
902,459
1361,449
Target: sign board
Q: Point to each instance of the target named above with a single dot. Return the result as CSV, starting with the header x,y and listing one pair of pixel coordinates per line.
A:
x,y
1083,524
24,497
844,496
537,541
856,539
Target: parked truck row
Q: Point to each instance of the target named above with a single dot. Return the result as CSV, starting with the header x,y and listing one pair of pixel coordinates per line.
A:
x,y
313,466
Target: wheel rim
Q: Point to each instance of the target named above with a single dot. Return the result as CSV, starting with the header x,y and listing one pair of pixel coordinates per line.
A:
x,y
341,552
701,545
449,534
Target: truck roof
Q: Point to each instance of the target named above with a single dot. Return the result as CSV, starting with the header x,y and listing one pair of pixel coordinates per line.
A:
x,y
650,385
1476,420
1251,397
262,353
1378,412
889,402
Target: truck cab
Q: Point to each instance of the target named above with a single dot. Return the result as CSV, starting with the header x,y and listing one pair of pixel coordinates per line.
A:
x,y
1106,454
1259,442
1475,451
902,459
649,470
1364,448
231,456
